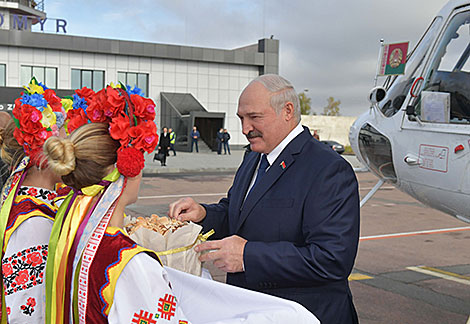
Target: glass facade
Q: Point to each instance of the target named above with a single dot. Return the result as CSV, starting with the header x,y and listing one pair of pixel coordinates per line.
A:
x,y
141,80
92,79
45,75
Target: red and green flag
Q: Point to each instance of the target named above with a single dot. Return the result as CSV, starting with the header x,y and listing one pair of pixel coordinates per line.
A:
x,y
393,59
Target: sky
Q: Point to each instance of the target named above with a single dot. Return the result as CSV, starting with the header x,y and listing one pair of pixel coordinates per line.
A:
x,y
327,47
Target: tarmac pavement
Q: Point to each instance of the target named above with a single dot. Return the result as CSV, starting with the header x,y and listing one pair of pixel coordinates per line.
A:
x,y
185,162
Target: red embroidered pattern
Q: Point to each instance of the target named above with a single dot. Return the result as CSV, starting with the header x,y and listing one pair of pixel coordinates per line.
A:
x,y
39,193
25,269
166,306
28,309
143,318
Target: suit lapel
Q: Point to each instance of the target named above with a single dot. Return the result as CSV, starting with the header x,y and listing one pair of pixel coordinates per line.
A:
x,y
283,162
246,174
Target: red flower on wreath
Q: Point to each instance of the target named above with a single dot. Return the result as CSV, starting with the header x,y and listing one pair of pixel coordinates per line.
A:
x,y
34,258
22,277
119,129
86,93
144,108
53,100
7,269
116,102
77,118
144,136
29,118
96,107
130,161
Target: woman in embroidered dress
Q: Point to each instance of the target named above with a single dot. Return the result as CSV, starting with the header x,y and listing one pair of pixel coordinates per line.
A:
x,y
95,272
30,201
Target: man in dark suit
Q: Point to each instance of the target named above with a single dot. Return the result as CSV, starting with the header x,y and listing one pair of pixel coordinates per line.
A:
x,y
164,145
219,138
289,225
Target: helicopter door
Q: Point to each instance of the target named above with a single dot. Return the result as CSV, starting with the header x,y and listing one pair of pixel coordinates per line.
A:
x,y
442,150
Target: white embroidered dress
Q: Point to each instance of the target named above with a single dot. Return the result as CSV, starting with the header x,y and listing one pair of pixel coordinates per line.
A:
x,y
24,260
144,284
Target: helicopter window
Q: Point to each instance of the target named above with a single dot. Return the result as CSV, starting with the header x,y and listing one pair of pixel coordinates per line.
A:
x,y
400,86
450,69
376,149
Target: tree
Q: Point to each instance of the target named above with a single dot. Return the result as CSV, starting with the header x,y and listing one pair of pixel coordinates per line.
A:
x,y
305,101
332,109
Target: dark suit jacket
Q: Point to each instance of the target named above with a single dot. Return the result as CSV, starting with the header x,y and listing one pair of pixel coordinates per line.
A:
x,y
164,142
302,226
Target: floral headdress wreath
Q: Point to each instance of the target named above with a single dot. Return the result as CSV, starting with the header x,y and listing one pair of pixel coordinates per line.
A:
x,y
38,115
129,115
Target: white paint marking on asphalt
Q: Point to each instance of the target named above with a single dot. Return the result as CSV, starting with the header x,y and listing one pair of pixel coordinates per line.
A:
x,y
435,231
221,194
468,322
185,195
440,275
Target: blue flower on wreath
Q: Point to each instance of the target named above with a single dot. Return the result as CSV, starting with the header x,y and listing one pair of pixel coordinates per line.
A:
x,y
36,100
136,91
60,119
43,86
79,102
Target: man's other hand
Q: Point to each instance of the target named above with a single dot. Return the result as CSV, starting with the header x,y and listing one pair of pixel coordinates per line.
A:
x,y
227,254
186,209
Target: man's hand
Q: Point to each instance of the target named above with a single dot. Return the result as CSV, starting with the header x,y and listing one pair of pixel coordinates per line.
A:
x,y
228,254
186,209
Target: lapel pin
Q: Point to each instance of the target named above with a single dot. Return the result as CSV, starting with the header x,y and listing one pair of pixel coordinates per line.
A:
x,y
283,165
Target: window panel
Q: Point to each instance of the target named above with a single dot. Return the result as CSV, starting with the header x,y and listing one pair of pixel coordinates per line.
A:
x,y
98,80
142,82
76,79
132,79
51,77
122,77
2,75
38,73
87,79
26,72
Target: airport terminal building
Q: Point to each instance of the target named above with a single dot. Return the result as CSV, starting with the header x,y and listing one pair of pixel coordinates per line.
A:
x,y
190,85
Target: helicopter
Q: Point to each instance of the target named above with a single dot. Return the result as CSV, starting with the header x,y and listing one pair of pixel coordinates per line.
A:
x,y
416,134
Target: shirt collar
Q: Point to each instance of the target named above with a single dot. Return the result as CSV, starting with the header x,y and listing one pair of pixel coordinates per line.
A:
x,y
272,156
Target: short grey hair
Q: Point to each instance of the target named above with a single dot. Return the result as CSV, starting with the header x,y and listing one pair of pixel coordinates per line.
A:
x,y
282,92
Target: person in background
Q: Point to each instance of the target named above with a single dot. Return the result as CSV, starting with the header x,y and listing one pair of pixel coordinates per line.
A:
x,y
164,145
226,139
289,225
219,140
195,138
172,140
315,135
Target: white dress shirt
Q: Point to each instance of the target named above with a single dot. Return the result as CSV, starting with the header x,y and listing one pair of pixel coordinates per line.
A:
x,y
272,156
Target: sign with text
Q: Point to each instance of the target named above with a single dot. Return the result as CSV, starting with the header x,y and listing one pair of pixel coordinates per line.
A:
x,y
21,22
6,107
434,157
